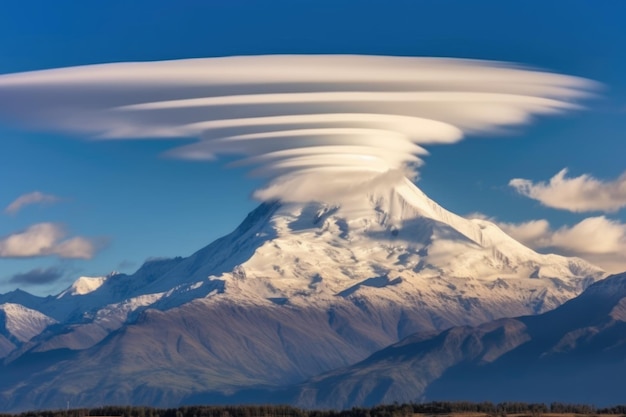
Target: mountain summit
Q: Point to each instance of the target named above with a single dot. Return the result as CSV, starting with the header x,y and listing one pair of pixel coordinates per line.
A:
x,y
296,290
396,245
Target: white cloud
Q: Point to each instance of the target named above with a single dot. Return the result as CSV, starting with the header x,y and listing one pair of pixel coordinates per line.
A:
x,y
577,194
36,197
301,120
46,239
599,240
534,233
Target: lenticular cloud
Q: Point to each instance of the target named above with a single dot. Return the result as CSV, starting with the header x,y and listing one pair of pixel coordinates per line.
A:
x,y
316,126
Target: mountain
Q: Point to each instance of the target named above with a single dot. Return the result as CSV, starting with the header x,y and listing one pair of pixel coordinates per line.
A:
x,y
296,290
19,324
575,353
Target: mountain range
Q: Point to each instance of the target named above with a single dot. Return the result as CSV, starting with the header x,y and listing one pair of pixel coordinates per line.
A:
x,y
375,298
573,354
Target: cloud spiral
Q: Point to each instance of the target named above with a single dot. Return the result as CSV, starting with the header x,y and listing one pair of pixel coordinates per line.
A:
x,y
317,126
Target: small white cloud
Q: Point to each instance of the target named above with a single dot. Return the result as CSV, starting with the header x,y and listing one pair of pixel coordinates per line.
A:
x,y
36,197
577,194
534,233
46,239
599,240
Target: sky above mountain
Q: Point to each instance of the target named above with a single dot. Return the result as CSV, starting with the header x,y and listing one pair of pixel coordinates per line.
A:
x,y
77,207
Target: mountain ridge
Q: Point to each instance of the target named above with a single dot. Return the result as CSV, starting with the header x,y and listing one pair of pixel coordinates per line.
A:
x,y
573,353
296,290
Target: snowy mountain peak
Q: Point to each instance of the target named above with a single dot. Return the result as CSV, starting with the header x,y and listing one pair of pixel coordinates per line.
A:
x,y
385,243
84,285
297,289
402,229
23,323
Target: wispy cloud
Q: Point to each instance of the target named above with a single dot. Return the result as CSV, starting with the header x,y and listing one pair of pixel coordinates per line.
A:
x,y
599,240
47,239
38,276
577,194
300,120
36,197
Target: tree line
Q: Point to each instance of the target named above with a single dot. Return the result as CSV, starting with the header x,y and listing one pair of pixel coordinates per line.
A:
x,y
391,410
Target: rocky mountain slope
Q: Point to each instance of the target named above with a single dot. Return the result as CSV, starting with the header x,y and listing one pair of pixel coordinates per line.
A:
x,y
294,291
575,353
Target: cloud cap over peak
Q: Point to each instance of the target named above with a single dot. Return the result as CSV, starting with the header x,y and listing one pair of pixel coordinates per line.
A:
x,y
282,113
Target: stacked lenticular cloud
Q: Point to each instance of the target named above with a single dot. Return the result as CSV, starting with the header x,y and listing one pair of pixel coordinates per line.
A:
x,y
317,126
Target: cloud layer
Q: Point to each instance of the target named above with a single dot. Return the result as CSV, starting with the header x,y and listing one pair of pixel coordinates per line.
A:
x,y
597,239
577,194
300,121
38,276
36,197
46,239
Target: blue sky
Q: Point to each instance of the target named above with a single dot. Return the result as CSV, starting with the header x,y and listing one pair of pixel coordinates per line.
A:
x,y
133,204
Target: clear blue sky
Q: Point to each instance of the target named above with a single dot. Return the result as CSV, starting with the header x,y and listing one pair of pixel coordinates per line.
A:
x,y
139,205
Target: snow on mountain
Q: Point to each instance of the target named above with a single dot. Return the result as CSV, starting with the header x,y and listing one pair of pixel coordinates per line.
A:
x,y
574,353
23,298
23,323
390,247
83,285
313,253
401,235
296,290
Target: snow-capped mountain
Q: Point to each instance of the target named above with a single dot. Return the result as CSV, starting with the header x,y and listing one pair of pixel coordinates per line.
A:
x,y
575,353
294,291
83,285
19,324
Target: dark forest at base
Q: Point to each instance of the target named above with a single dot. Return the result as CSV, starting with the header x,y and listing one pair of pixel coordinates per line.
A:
x,y
393,410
